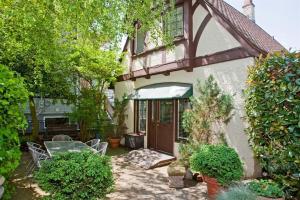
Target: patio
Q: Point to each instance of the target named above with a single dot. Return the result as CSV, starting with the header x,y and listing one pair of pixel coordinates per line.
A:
x,y
132,182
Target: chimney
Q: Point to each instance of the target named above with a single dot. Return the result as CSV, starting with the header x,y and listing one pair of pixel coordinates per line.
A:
x,y
248,9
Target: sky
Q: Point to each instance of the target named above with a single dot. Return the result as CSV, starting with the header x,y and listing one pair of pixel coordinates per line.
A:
x,y
280,18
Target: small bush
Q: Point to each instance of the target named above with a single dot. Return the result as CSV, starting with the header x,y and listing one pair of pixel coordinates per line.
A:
x,y
237,193
76,176
266,188
217,161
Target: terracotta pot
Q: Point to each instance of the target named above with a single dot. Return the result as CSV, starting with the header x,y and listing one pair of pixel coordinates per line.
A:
x,y
114,142
213,186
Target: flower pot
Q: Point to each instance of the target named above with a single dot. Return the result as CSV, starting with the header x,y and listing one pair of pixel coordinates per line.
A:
x,y
213,186
114,142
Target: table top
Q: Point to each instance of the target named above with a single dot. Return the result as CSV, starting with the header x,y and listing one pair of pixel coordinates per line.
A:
x,y
65,146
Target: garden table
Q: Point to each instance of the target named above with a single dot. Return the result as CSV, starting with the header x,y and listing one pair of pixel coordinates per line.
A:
x,y
54,147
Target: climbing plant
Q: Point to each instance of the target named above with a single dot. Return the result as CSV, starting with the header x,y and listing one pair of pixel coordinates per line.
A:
x,y
273,114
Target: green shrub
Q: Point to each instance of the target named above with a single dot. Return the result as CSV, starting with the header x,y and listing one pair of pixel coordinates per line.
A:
x,y
266,188
217,161
237,193
273,110
76,176
13,97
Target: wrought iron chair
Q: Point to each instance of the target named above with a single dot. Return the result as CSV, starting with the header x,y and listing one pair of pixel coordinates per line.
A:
x,y
102,148
38,155
61,138
31,145
94,143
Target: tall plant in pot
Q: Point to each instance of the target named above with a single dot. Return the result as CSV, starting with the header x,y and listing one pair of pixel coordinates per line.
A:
x,y
210,110
119,116
219,164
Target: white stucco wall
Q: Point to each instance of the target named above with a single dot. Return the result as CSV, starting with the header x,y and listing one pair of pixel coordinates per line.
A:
x,y
215,37
231,77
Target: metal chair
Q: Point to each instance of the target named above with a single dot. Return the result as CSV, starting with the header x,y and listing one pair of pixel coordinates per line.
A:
x,y
102,148
38,155
31,145
94,143
61,138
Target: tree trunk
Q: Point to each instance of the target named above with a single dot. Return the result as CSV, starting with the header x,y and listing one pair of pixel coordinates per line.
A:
x,y
84,134
34,119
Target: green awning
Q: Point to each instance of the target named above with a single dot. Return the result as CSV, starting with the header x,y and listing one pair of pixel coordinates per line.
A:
x,y
164,91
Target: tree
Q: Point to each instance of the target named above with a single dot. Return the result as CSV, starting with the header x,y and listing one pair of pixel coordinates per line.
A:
x,y
38,38
212,105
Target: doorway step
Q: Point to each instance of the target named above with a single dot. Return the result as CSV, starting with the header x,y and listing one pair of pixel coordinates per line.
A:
x,y
148,159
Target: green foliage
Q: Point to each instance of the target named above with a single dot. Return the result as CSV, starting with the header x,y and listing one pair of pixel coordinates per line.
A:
x,y
217,161
266,188
273,110
237,193
13,97
52,44
186,151
120,109
212,105
84,175
96,70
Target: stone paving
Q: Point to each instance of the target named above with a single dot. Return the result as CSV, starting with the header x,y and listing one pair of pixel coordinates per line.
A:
x,y
133,182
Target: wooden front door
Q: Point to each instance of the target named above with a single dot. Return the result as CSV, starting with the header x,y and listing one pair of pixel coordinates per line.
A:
x,y
161,125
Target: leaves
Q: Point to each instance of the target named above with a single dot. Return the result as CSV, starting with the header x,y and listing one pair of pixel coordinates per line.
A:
x,y
273,110
211,106
13,97
84,175
217,161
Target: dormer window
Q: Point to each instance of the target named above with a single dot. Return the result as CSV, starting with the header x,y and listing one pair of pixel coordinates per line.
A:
x,y
173,23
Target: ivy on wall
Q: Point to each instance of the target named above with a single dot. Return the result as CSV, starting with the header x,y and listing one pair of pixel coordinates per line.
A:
x,y
273,114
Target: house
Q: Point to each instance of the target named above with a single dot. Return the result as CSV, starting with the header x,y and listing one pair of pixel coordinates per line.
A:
x,y
211,38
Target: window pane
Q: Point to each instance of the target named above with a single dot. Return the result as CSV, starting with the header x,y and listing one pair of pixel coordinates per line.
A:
x,y
140,37
166,112
173,24
183,105
142,116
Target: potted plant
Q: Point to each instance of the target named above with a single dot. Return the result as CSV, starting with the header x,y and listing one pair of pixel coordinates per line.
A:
x,y
119,116
176,172
219,164
266,189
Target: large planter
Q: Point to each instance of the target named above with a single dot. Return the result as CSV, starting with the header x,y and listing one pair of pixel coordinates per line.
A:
x,y
114,142
213,187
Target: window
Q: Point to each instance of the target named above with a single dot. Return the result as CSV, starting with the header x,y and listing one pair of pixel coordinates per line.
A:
x,y
183,105
166,112
141,116
139,41
173,23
